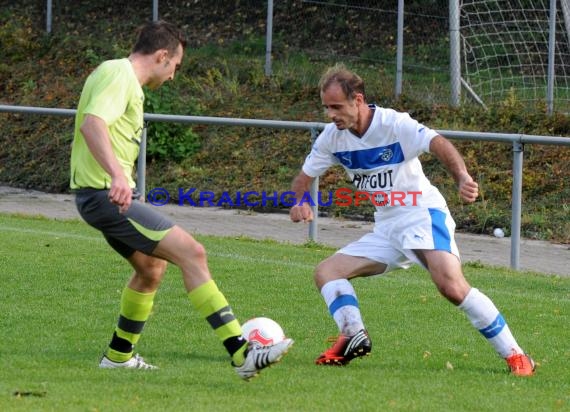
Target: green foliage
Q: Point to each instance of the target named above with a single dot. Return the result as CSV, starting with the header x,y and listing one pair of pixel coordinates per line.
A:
x,y
171,142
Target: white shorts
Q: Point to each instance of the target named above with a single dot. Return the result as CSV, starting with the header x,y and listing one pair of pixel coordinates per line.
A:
x,y
397,233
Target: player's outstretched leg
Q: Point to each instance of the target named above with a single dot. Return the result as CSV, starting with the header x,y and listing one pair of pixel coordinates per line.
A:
x,y
247,359
485,317
261,357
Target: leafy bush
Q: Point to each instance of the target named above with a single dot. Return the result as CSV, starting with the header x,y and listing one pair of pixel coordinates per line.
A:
x,y
169,141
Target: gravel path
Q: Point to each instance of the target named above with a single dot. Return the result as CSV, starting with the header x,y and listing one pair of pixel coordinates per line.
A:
x,y
538,256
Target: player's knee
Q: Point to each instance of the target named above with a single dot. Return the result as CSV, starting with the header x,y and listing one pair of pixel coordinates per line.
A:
x,y
324,273
453,292
319,279
155,269
320,270
150,273
197,251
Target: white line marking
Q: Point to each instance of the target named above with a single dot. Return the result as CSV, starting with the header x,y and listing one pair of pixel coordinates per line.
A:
x,y
96,238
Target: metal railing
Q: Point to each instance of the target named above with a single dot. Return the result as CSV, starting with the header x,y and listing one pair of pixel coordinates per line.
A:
x,y
516,140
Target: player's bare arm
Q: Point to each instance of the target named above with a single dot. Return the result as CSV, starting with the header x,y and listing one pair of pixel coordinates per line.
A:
x,y
96,134
301,184
447,154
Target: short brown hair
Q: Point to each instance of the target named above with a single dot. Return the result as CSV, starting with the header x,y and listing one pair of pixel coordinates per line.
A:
x,y
158,35
349,82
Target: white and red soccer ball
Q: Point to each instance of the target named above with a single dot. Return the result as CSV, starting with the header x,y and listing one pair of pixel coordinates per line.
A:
x,y
262,331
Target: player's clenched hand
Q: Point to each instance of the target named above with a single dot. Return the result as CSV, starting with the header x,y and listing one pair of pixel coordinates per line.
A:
x,y
468,189
121,193
300,213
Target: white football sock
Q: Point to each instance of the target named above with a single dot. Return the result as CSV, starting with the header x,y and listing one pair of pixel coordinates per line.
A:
x,y
341,300
485,317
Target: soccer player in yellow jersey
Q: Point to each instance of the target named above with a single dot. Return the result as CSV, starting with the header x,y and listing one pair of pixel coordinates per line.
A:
x,y
108,128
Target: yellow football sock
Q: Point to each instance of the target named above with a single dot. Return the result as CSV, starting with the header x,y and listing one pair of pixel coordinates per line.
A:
x,y
135,310
213,306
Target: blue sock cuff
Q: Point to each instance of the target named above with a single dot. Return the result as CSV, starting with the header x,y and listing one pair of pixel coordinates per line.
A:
x,y
342,300
494,328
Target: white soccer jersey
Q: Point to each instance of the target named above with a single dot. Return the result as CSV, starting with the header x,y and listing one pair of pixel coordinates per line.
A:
x,y
383,162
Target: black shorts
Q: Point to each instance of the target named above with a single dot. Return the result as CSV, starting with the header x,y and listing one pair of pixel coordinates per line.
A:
x,y
139,228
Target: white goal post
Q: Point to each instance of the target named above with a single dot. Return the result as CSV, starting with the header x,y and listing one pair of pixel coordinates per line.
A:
x,y
512,49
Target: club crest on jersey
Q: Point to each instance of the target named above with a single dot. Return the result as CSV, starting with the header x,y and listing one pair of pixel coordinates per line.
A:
x,y
387,155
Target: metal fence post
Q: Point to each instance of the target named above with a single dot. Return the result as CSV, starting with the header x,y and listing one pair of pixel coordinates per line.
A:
x,y
454,53
48,16
516,208
313,224
399,49
269,38
551,61
154,10
141,166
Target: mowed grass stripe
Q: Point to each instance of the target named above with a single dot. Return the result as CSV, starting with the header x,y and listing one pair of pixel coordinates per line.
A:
x,y
99,238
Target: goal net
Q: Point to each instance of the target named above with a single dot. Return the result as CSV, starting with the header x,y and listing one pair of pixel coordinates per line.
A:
x,y
505,51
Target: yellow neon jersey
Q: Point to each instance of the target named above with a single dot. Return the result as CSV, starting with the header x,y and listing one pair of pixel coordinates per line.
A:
x,y
113,93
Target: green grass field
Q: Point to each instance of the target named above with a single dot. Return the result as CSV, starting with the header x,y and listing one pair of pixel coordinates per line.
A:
x,y
59,300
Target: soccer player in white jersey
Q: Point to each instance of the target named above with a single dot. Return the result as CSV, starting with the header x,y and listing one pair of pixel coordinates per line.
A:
x,y
379,150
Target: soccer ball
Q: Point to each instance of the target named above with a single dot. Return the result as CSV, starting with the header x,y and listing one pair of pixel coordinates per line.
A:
x,y
262,331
